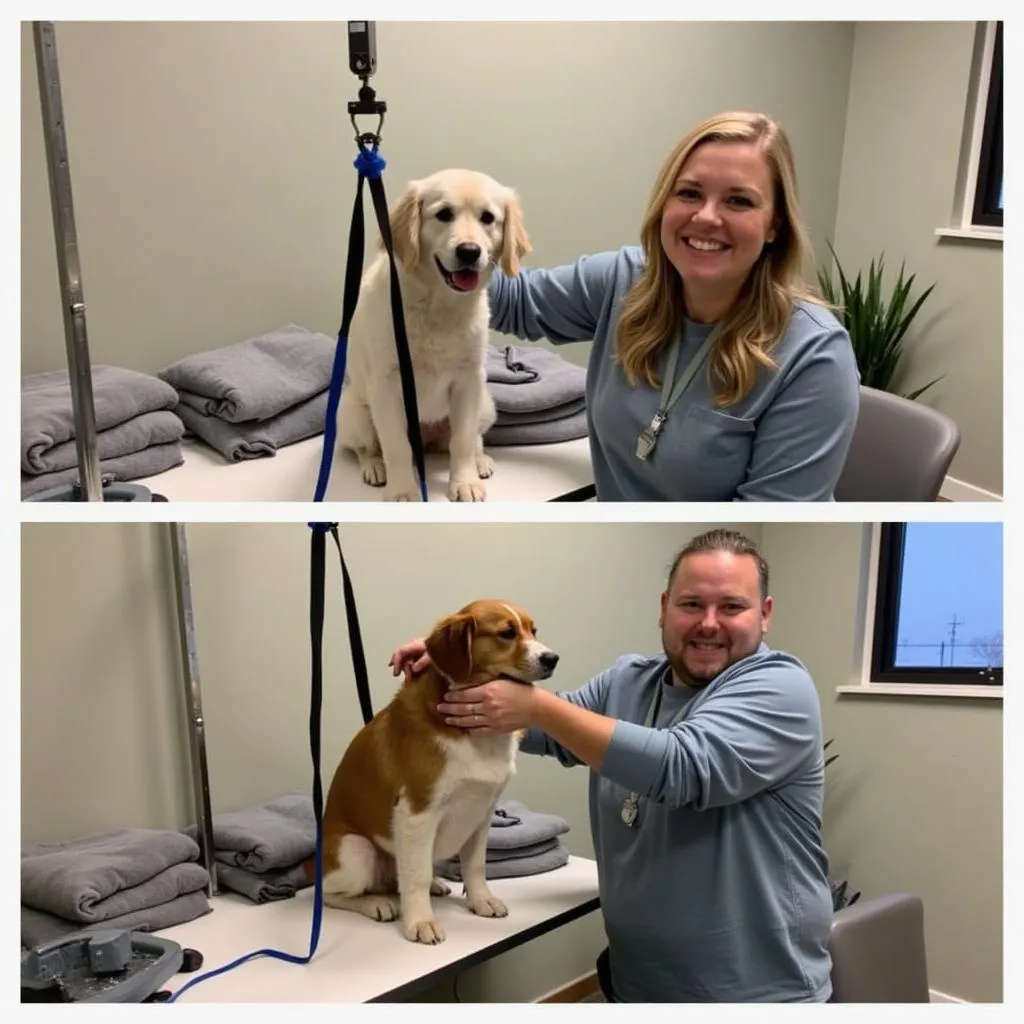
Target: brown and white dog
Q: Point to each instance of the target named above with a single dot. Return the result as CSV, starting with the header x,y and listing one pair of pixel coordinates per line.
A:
x,y
411,791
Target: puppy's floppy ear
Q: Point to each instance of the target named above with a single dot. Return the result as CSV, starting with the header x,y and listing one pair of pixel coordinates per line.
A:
x,y
404,223
450,646
515,243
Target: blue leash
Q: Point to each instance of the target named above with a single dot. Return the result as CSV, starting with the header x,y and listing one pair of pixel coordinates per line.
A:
x,y
370,165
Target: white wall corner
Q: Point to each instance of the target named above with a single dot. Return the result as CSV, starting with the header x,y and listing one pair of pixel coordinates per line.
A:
x,y
957,490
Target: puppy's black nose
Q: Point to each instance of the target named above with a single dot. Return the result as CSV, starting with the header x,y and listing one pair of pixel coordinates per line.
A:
x,y
549,659
467,253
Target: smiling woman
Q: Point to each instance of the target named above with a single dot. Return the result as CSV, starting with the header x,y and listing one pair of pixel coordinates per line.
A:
x,y
765,400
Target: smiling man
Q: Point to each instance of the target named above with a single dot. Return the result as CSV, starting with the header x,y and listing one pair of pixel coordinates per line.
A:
x,y
706,787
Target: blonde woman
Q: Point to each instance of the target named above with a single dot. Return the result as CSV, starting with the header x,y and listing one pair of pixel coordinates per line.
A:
x,y
714,374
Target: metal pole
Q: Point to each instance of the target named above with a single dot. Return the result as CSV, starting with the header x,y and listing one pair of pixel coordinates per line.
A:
x,y
194,703
68,269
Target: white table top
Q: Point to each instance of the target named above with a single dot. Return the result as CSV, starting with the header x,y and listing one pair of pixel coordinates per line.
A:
x,y
524,473
359,960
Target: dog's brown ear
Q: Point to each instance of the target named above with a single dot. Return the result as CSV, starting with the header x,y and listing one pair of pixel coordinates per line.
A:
x,y
404,223
450,646
516,243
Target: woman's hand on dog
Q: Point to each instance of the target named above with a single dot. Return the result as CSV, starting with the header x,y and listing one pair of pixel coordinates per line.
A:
x,y
499,706
410,659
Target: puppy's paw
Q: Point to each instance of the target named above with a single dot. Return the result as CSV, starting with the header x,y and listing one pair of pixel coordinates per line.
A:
x,y
484,465
466,490
382,908
403,490
488,906
439,888
373,470
428,931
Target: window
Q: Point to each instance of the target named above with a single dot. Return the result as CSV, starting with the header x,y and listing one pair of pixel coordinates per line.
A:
x,y
938,609
987,207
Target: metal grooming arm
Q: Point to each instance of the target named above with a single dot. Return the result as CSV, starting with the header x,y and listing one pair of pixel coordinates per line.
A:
x,y
193,701
68,269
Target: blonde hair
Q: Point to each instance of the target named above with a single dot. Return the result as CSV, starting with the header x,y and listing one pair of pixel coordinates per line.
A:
x,y
652,311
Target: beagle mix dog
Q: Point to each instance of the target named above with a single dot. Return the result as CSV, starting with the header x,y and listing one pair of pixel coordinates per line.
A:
x,y
448,232
411,790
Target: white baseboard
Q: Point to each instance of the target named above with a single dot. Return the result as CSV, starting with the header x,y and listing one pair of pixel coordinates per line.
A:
x,y
935,996
957,490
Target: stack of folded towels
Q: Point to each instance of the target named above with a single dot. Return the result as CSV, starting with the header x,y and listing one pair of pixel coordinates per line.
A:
x,y
260,850
540,396
135,878
251,398
520,842
137,433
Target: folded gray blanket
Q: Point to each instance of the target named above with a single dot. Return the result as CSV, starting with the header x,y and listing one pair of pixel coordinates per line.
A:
x,y
101,877
550,431
134,435
240,441
262,887
532,379
280,833
47,417
38,927
532,827
255,379
556,856
157,458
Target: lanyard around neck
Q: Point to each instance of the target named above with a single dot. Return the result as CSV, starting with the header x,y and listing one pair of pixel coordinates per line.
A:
x,y
672,389
655,707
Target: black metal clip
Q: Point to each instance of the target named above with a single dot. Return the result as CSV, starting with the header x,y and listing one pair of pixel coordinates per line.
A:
x,y
367,104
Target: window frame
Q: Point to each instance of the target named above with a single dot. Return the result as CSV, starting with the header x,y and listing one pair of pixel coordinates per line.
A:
x,y
876,586
985,211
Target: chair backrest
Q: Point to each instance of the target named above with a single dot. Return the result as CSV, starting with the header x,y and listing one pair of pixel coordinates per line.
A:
x,y
878,951
901,450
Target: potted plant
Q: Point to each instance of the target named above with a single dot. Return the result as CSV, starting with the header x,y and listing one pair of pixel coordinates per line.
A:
x,y
842,894
876,323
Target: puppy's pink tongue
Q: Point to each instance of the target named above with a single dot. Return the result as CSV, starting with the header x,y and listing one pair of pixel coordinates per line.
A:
x,y
465,280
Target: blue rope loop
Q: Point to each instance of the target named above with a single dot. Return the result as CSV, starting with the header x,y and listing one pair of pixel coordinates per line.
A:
x,y
321,527
369,163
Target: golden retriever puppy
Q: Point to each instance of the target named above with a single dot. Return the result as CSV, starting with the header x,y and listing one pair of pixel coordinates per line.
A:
x,y
448,232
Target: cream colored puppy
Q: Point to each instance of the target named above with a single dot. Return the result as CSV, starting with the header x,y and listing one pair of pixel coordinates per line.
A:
x,y
448,231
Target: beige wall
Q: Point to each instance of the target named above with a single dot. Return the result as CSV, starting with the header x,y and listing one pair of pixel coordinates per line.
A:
x,y
103,740
212,162
908,102
915,800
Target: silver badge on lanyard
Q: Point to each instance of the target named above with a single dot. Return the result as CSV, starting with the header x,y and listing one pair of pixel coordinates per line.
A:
x,y
649,436
630,807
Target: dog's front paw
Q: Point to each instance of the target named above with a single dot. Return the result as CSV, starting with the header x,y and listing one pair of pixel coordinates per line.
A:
x,y
488,906
381,908
373,470
484,465
428,931
439,888
466,490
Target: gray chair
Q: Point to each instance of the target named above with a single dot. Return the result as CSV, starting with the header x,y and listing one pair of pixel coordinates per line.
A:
x,y
878,951
901,450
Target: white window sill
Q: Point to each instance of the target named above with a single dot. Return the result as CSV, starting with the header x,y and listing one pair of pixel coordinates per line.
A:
x,y
972,234
922,690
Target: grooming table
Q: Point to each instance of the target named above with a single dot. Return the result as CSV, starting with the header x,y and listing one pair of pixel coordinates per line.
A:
x,y
522,473
359,960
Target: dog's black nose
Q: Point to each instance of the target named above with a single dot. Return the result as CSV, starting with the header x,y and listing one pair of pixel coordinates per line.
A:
x,y
549,659
467,253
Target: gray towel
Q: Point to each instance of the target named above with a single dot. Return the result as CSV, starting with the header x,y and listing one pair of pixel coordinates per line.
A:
x,y
47,416
134,435
534,379
38,927
550,431
502,818
280,833
101,877
262,887
258,378
240,441
556,856
533,827
157,458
